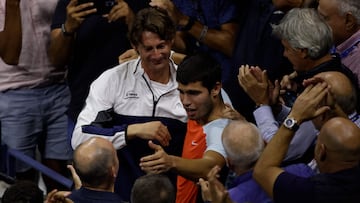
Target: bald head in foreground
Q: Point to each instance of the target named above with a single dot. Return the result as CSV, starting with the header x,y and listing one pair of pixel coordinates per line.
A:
x,y
97,165
338,145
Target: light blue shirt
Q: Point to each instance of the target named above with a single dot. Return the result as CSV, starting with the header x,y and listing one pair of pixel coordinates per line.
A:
x,y
269,125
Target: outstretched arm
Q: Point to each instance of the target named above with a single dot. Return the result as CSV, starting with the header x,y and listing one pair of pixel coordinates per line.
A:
x,y
193,169
306,107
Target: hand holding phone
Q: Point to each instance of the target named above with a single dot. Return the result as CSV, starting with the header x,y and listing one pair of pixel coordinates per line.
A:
x,y
102,6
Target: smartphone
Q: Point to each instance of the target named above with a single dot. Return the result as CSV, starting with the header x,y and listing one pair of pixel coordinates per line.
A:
x,y
289,98
102,6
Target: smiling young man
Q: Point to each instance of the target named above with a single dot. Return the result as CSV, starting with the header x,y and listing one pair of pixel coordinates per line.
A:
x,y
199,79
138,100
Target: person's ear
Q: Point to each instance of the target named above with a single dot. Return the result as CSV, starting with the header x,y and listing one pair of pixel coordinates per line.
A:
x,y
135,48
113,171
351,23
322,152
229,163
216,90
304,53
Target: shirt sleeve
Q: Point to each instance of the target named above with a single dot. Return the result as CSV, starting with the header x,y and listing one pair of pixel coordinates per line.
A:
x,y
213,137
99,99
266,122
285,110
292,188
268,126
304,137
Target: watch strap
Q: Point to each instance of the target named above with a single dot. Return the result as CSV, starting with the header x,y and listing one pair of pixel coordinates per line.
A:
x,y
295,127
66,33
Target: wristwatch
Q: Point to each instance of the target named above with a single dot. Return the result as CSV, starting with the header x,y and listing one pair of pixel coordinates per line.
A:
x,y
291,124
65,32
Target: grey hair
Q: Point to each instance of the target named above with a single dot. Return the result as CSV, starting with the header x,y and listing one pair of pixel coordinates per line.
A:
x,y
246,154
304,28
350,6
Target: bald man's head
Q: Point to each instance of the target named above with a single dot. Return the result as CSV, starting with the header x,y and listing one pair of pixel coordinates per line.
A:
x,y
96,162
342,89
339,139
243,144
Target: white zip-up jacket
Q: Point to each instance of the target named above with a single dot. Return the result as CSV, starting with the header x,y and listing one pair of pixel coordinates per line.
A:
x,y
127,90
125,95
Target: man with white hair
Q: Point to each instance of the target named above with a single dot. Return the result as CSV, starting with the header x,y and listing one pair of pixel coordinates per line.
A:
x,y
343,16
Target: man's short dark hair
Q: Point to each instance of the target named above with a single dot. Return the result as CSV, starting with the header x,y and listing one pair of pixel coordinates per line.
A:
x,y
153,188
200,67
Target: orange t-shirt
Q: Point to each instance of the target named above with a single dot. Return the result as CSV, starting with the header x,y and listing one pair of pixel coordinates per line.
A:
x,y
194,148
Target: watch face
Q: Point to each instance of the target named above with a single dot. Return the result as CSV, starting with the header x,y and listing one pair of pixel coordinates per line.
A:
x,y
289,122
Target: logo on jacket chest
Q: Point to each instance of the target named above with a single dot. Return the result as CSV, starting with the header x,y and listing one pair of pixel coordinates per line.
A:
x,y
131,95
